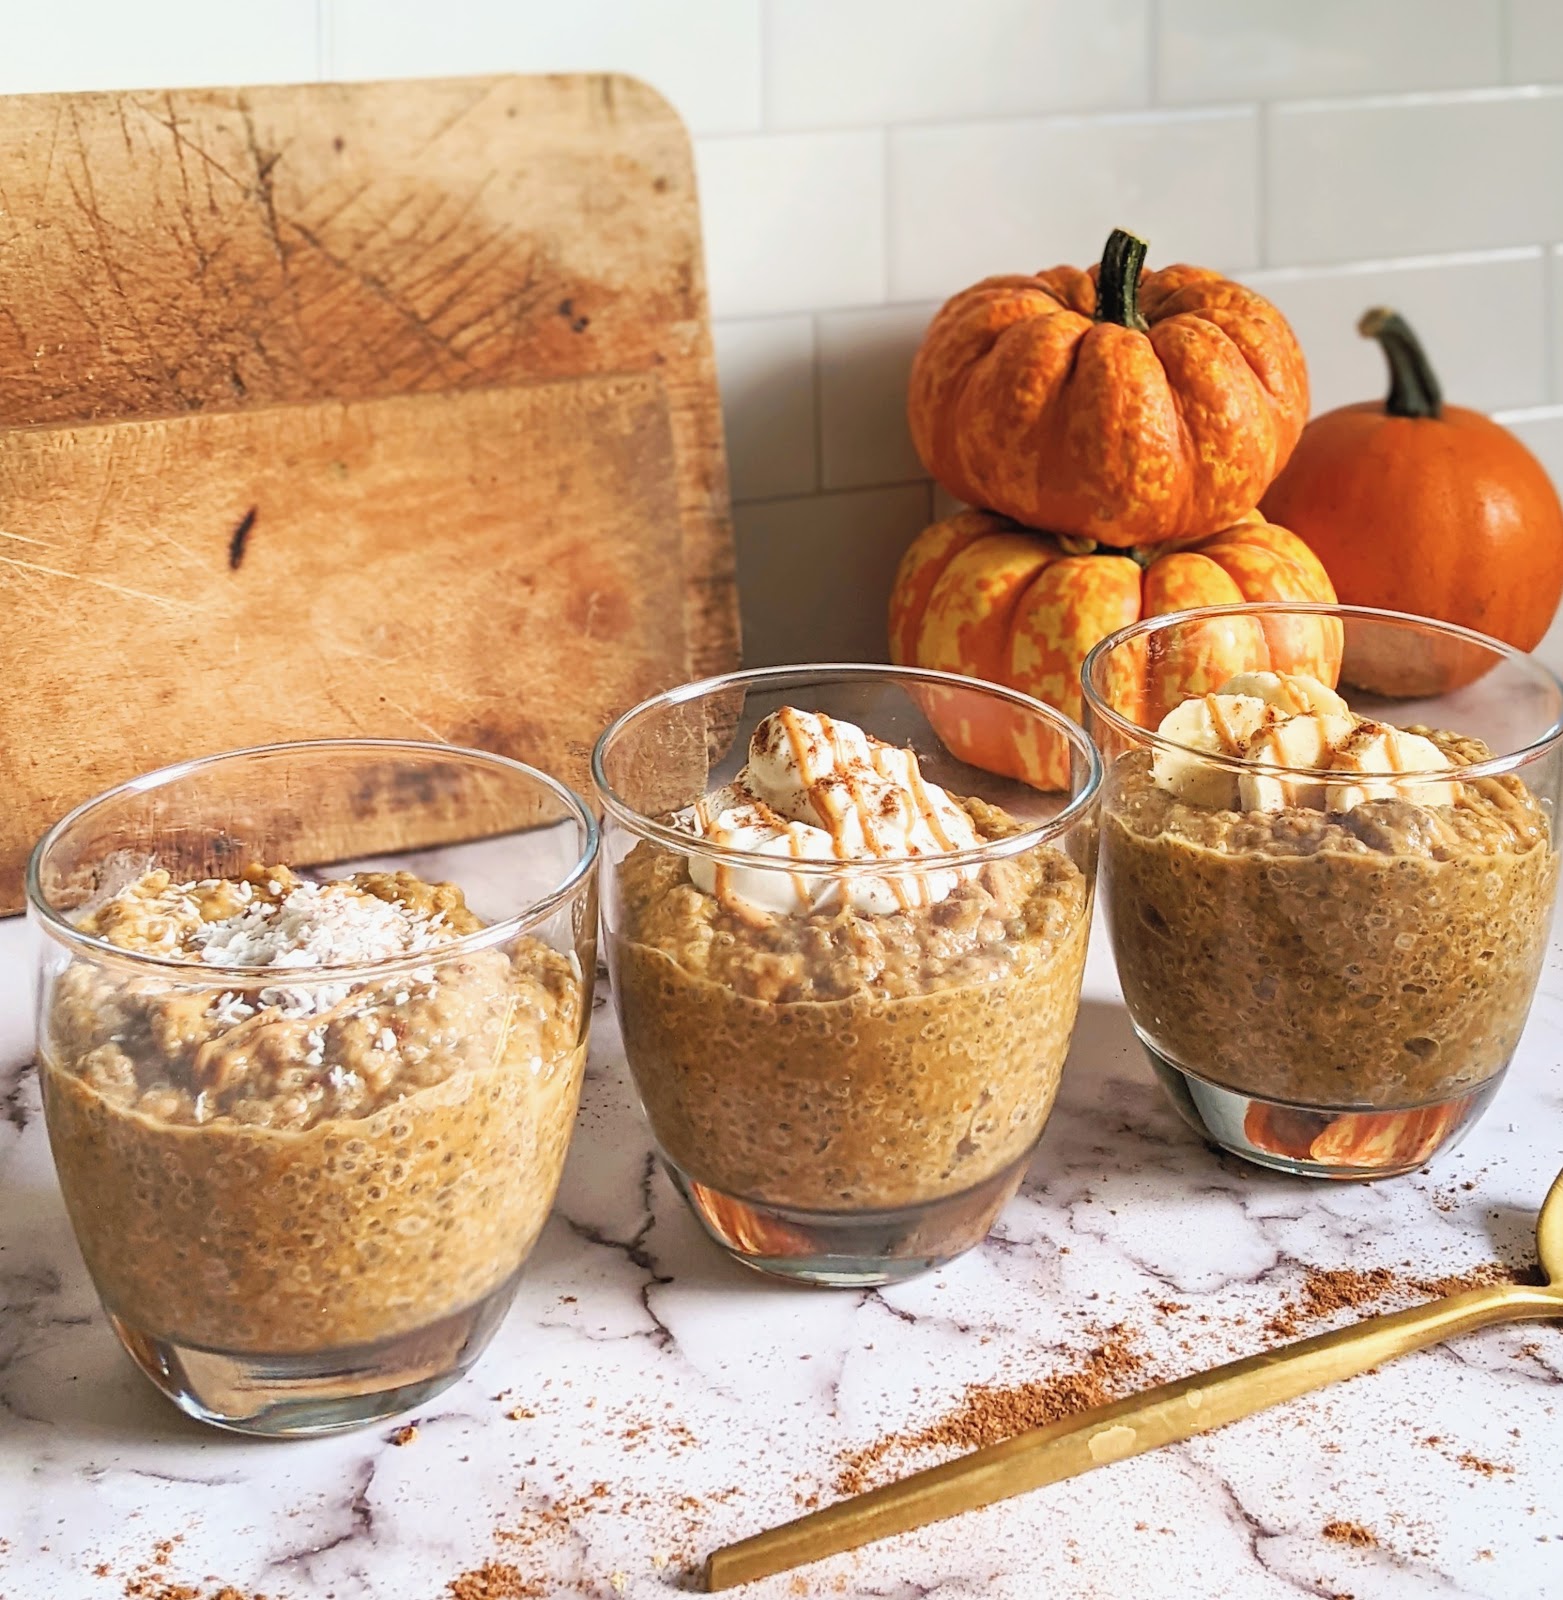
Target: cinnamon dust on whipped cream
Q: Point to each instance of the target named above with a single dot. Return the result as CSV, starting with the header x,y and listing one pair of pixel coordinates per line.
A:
x,y
819,789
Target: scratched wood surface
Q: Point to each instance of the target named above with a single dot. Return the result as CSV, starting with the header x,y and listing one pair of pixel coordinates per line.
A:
x,y
282,452
494,600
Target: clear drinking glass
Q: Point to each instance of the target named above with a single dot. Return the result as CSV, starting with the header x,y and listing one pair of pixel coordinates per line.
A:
x,y
847,1094
307,1148
1329,969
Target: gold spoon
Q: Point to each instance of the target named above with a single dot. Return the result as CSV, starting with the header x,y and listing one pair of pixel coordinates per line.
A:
x,y
1163,1415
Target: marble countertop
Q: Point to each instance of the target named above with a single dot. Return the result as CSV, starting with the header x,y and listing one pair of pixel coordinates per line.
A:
x,y
647,1400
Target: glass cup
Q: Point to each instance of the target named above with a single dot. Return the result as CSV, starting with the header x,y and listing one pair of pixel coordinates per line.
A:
x,y
847,1086
1329,969
307,1148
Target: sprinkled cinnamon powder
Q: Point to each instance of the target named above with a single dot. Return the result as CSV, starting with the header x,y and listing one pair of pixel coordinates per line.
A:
x,y
1327,1292
988,1413
1352,1533
148,1585
494,1580
150,1580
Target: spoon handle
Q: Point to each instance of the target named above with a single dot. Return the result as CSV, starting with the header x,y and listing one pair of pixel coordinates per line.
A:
x,y
1163,1415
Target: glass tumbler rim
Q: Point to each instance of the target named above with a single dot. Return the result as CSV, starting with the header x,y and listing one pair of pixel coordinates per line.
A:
x,y
1494,766
211,975
1080,804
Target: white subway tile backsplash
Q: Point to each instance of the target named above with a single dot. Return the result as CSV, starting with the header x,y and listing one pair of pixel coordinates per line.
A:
x,y
1415,175
814,574
1535,41
865,360
1542,429
1555,320
857,63
968,201
1244,49
1478,318
860,160
793,222
703,55
158,44
766,370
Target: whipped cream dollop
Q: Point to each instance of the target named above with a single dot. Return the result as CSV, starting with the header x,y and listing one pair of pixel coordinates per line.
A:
x,y
817,789
1283,719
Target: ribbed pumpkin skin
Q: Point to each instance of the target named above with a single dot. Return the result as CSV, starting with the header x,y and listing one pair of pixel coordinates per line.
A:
x,y
976,594
1022,403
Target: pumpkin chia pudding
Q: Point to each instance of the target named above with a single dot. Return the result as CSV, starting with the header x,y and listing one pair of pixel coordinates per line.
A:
x,y
1348,942
301,1164
817,1042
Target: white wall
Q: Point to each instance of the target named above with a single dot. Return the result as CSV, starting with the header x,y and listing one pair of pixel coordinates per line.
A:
x,y
861,159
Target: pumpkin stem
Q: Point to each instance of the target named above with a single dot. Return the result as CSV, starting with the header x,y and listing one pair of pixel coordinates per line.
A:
x,y
1413,385
1118,282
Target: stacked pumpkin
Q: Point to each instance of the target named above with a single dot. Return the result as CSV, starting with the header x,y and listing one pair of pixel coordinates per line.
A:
x,y
1119,427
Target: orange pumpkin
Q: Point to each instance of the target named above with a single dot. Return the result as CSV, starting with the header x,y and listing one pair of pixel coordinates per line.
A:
x,y
1417,506
979,595
1108,405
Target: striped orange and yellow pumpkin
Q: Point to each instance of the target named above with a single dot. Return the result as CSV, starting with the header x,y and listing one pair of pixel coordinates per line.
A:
x,y
981,595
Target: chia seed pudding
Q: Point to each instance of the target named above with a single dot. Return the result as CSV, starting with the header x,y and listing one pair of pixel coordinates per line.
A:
x,y
860,1048
299,1163
1350,944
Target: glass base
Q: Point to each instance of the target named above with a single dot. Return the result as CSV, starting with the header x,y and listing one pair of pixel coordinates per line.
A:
x,y
850,1249
328,1391
1321,1141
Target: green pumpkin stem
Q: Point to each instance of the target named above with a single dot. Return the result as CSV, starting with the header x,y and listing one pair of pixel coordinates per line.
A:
x,y
1118,283
1413,385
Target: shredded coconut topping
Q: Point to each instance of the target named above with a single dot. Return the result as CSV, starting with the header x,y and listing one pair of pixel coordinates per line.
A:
x,y
316,925
302,926
230,1010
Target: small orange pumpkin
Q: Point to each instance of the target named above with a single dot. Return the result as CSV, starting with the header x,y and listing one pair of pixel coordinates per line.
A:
x,y
979,595
1108,405
1413,505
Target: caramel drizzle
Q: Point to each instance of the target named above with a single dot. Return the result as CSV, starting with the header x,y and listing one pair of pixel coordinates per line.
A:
x,y
1365,731
1298,703
849,772
722,873
1232,745
824,791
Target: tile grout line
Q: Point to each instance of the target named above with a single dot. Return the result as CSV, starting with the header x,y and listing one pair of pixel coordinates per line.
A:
x,y
1202,111
323,50
762,63
817,378
1426,261
1262,243
828,494
886,216
1153,52
1207,111
1550,286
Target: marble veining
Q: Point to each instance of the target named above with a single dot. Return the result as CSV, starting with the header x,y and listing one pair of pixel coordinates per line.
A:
x,y
647,1400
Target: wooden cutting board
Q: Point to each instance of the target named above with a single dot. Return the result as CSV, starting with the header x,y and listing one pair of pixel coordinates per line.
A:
x,y
382,408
